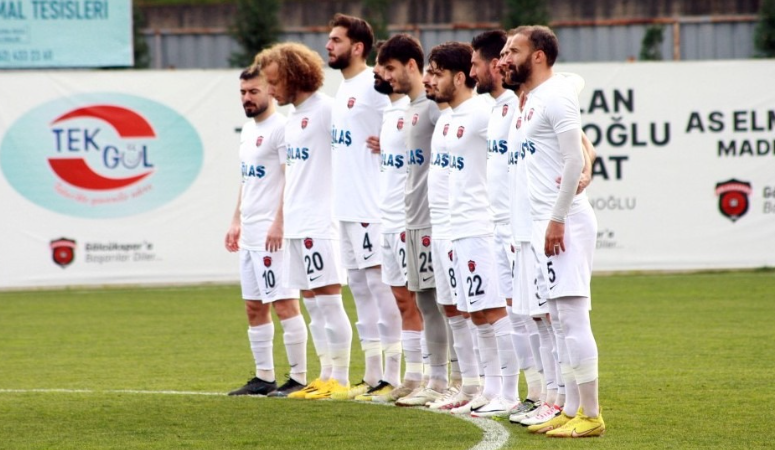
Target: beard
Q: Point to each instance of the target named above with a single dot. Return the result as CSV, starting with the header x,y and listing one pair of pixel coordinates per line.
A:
x,y
445,95
382,86
508,81
485,85
340,62
253,110
520,74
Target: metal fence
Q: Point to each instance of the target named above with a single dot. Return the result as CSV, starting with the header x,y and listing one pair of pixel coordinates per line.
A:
x,y
704,38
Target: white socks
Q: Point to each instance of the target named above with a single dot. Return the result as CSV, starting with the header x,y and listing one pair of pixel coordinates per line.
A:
x,y
367,325
464,348
435,329
295,340
413,355
317,327
339,334
389,325
508,359
261,339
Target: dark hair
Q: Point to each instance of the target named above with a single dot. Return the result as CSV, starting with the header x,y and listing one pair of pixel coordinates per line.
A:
x,y
489,44
541,38
455,57
249,73
358,30
402,48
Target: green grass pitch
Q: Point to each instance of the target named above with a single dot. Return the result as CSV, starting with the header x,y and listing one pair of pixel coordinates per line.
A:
x,y
686,361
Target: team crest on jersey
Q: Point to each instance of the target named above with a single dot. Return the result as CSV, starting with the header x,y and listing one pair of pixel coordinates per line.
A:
x,y
446,129
304,122
308,243
530,113
426,241
63,251
259,141
450,254
351,103
471,265
519,122
400,124
267,261
403,236
733,198
415,119
505,110
460,130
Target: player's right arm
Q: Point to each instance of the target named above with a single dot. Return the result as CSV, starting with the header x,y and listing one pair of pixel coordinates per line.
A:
x,y
232,236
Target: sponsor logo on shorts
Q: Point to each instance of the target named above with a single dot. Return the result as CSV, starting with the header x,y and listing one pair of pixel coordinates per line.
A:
x,y
471,265
308,243
63,251
733,200
267,261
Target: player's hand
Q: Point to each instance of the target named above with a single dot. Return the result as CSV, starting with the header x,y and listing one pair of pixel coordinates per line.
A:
x,y
373,143
232,238
554,243
584,181
274,237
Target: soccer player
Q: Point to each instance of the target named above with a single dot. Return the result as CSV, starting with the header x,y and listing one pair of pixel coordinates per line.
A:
x,y
403,59
357,116
472,228
464,385
564,225
294,74
256,232
489,80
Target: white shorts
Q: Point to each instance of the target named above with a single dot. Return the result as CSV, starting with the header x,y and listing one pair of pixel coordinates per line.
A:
x,y
504,259
360,245
262,276
394,259
475,260
312,263
445,272
419,260
530,295
569,273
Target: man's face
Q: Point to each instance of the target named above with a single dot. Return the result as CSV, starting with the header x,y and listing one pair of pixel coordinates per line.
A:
x,y
443,83
480,71
276,86
339,48
380,85
520,59
255,96
397,75
426,83
504,68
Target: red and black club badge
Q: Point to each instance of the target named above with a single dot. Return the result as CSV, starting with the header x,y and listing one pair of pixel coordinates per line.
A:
x,y
259,141
733,199
308,243
63,251
471,265
351,103
304,122
426,241
460,130
267,261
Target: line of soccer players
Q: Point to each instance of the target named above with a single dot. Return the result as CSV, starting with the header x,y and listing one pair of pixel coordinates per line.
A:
x,y
450,197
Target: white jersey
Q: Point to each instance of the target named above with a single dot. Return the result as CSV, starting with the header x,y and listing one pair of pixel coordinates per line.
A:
x,y
521,220
438,178
356,115
262,156
467,145
392,176
551,108
308,183
497,156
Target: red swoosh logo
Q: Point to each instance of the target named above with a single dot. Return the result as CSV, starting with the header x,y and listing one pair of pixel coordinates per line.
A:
x,y
75,171
128,124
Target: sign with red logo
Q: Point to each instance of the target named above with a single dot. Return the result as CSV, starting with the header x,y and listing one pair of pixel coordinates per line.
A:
x,y
308,243
259,141
471,266
267,261
733,198
304,122
63,251
351,103
460,131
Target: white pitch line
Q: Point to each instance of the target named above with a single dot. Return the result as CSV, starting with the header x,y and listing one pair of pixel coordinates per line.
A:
x,y
495,436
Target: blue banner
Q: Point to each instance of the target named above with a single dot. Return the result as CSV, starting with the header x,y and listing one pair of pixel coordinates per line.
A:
x,y
65,33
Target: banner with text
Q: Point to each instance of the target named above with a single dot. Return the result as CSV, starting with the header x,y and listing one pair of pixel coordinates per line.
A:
x,y
65,33
132,177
